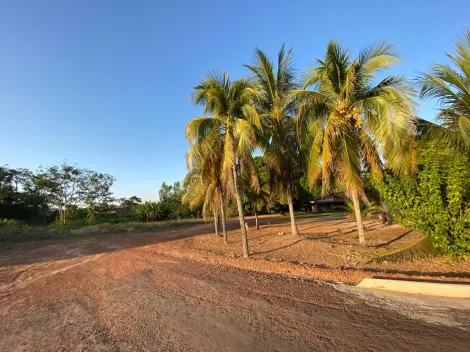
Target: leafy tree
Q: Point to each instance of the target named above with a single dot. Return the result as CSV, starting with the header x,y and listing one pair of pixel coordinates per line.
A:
x,y
65,183
350,123
227,103
170,198
130,202
435,198
276,110
15,202
307,193
96,192
452,89
69,187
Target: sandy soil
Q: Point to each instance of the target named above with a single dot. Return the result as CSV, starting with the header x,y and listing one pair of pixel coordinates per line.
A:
x,y
327,249
159,292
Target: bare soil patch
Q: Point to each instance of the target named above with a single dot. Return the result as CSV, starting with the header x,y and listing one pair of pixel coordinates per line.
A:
x,y
172,291
327,249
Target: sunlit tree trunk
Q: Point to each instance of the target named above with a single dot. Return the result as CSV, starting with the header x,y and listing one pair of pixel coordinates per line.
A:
x,y
238,196
204,217
295,231
224,230
216,223
357,211
256,219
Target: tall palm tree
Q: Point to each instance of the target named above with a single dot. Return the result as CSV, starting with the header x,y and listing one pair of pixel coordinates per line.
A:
x,y
276,110
352,123
226,102
451,86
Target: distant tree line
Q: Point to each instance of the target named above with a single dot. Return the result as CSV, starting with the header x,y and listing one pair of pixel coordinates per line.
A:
x,y
67,194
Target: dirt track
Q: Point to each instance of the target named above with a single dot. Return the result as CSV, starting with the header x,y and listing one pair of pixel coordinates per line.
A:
x,y
124,294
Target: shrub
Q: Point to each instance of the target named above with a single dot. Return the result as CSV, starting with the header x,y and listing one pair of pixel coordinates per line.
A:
x,y
10,222
435,199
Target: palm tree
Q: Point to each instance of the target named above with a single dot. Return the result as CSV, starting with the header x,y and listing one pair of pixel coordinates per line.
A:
x,y
452,89
204,182
256,195
351,124
276,110
226,102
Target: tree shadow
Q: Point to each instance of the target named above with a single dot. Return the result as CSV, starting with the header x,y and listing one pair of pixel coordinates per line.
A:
x,y
393,240
277,249
344,231
48,250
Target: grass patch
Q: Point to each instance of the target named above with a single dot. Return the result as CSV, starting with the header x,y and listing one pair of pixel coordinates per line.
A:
x,y
21,232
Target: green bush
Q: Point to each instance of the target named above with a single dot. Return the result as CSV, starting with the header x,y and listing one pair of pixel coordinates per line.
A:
x,y
435,199
10,222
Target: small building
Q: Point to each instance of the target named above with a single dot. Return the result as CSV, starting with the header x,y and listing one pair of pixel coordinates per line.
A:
x,y
328,203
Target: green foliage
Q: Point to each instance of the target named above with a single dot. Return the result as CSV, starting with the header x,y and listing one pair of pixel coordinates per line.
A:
x,y
366,210
22,197
351,119
450,85
10,222
275,109
435,199
169,206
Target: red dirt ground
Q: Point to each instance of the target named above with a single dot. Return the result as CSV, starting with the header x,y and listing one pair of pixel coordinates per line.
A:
x,y
327,249
173,291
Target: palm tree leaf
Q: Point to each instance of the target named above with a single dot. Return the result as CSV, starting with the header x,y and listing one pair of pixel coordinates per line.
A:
x,y
377,56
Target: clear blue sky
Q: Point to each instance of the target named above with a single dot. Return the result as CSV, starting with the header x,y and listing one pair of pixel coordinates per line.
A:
x,y
107,84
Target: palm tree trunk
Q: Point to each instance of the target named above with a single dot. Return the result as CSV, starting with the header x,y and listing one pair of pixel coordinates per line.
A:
x,y
204,218
256,219
222,214
295,231
216,223
238,196
357,211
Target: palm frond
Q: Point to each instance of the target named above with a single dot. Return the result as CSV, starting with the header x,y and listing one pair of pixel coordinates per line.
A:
x,y
420,249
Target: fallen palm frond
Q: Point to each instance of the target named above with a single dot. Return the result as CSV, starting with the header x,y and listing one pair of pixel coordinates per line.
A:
x,y
421,249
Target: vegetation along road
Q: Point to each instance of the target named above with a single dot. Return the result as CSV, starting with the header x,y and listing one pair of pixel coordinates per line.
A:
x,y
123,293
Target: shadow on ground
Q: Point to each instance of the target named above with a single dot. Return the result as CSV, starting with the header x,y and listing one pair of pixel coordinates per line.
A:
x,y
38,251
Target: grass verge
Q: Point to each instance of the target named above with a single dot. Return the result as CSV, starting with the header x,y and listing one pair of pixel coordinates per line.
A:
x,y
21,233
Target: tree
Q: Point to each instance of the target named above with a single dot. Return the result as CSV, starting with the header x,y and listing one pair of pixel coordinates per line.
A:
x,y
65,184
227,102
17,200
276,109
95,191
130,202
257,197
204,181
351,124
144,211
435,199
170,198
451,87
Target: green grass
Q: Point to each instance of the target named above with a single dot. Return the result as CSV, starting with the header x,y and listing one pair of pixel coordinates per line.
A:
x,y
21,232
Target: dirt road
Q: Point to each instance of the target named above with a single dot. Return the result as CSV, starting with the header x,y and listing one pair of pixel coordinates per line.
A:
x,y
123,294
